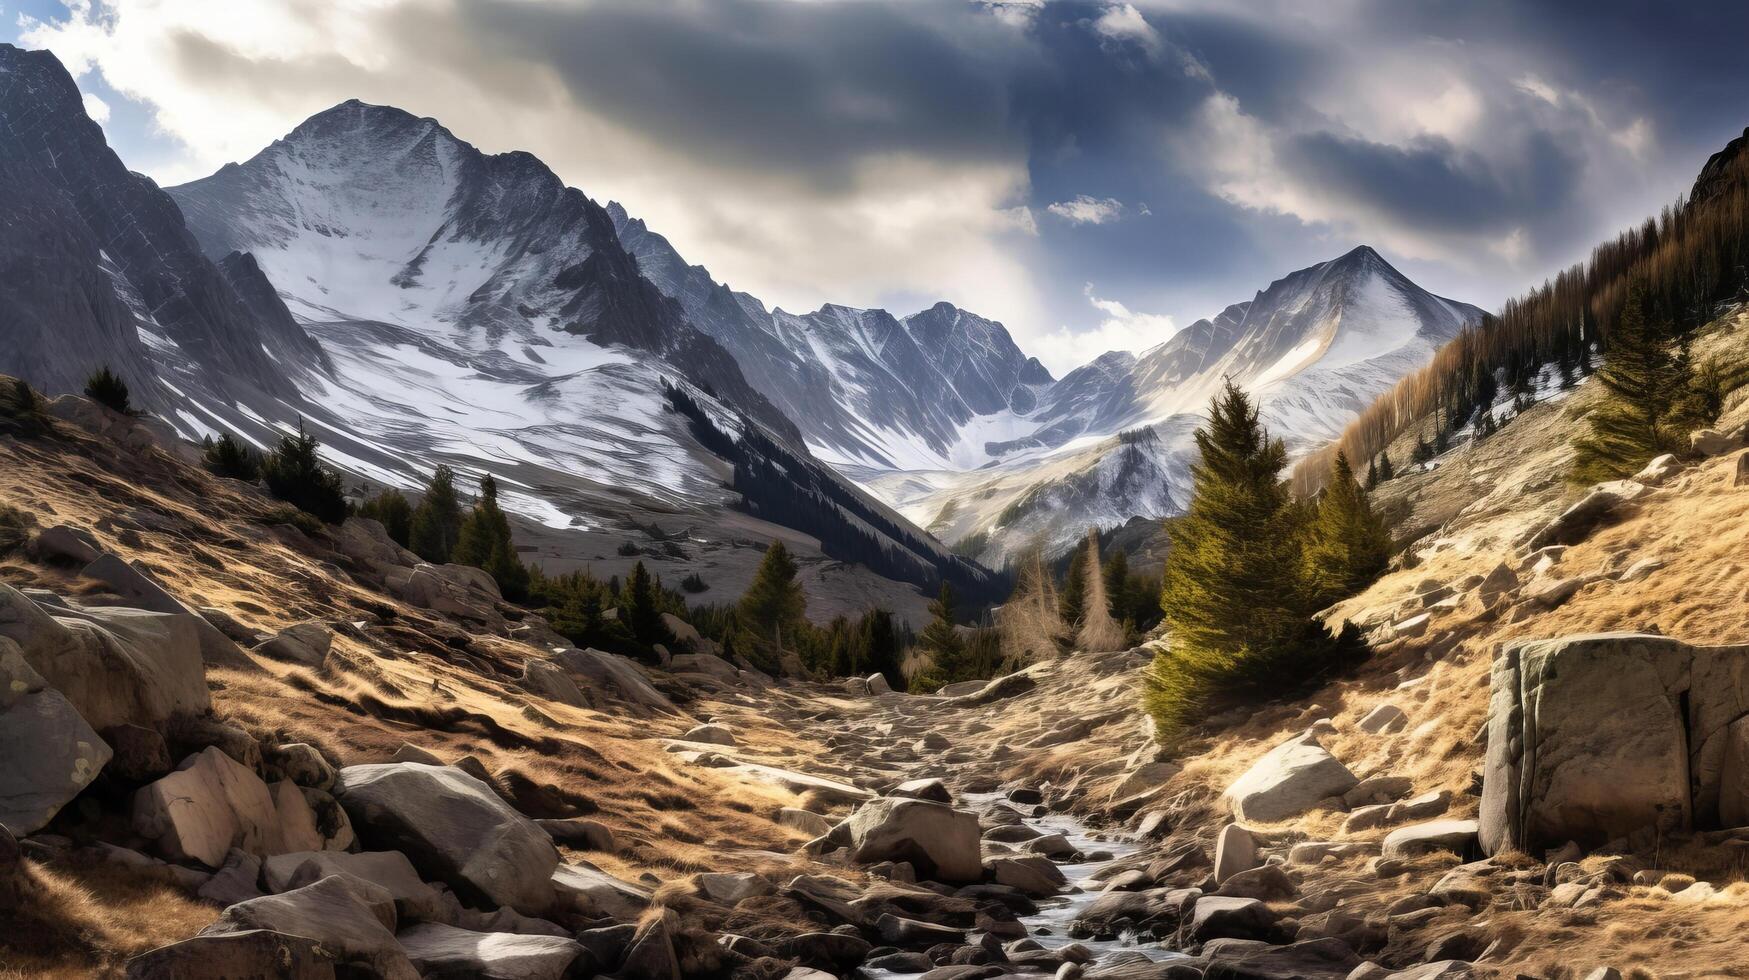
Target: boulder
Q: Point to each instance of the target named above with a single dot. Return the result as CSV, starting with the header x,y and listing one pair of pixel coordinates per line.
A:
x,y
1289,780
1235,851
806,821
1266,882
117,666
581,833
48,753
727,888
708,664
857,687
459,591
1312,959
236,882
444,951
66,544
1455,836
1497,583
367,543
1712,442
923,789
1660,469
355,927
1220,917
937,840
133,583
877,684
549,681
710,735
1383,720
141,754
208,806
1593,737
1576,523
618,676
455,829
296,821
304,643
300,763
233,955
587,890
683,632
1032,874
414,898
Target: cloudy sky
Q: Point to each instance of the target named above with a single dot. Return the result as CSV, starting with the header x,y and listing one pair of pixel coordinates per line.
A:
x,y
1093,173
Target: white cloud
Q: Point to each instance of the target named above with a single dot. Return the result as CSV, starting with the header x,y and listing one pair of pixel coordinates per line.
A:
x,y
1119,328
1086,210
1123,22
96,108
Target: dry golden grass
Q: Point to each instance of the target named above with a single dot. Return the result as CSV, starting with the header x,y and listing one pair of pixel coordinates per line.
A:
x,y
85,918
408,676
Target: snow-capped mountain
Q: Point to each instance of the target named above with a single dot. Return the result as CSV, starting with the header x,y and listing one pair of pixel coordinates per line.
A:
x,y
1112,440
941,415
97,266
414,301
866,387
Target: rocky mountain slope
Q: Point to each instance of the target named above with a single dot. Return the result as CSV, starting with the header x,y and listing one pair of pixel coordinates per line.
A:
x,y
1111,440
309,702
97,265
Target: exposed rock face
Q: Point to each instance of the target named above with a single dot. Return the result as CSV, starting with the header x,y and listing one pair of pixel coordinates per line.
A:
x,y
1593,737
92,256
455,829
117,666
619,675
130,581
1291,779
47,751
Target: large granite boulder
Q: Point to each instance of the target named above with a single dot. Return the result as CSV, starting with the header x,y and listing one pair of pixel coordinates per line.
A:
x,y
208,806
389,870
455,829
48,753
618,676
939,841
1291,779
342,914
137,585
444,951
117,666
1593,737
1573,525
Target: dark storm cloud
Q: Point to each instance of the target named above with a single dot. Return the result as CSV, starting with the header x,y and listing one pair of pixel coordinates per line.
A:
x,y
805,88
1433,185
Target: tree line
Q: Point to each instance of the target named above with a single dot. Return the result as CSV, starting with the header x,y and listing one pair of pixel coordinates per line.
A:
x,y
1673,270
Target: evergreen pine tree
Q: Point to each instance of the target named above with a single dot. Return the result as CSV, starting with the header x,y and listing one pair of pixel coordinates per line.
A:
x,y
1386,470
231,457
1644,380
1074,593
879,640
1117,586
484,541
1372,475
771,610
941,641
294,473
437,521
1347,545
393,512
639,609
106,388
1236,609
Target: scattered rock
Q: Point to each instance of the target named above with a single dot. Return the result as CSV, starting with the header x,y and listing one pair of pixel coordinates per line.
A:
x,y
1291,779
933,790
1660,469
136,585
66,544
590,891
805,821
1383,720
300,763
305,643
1217,917
1456,836
443,951
208,806
711,735
1712,442
48,753
356,927
938,840
414,898
618,675
232,955
583,833
454,829
1576,523
1235,851
546,680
